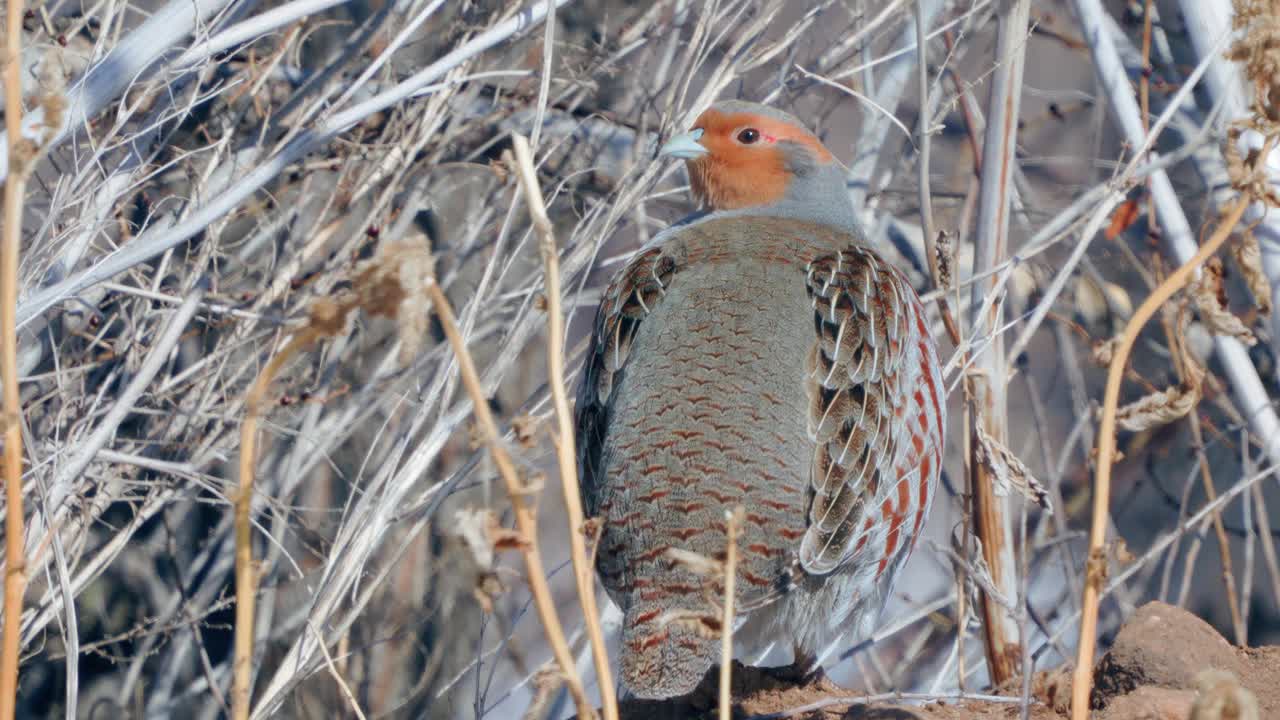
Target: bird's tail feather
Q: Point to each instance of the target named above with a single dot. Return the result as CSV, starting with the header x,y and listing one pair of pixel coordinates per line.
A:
x,y
666,652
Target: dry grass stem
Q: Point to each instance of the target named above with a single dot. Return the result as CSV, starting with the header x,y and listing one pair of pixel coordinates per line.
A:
x,y
696,563
337,678
733,524
935,245
1096,569
521,503
246,569
387,285
15,576
566,454
986,383
186,440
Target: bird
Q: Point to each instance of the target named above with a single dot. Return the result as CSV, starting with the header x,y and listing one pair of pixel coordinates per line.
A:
x,y
757,354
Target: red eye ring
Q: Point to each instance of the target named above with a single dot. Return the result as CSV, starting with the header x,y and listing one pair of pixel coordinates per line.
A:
x,y
748,136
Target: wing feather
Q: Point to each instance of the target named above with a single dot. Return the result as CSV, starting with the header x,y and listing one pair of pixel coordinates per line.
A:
x,y
869,362
628,299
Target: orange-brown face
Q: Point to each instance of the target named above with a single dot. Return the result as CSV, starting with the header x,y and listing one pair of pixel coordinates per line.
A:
x,y
745,165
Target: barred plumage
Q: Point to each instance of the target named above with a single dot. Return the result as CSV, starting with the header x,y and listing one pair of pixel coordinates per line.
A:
x,y
759,356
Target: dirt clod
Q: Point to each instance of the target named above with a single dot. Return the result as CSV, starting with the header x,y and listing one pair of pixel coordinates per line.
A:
x,y
1164,662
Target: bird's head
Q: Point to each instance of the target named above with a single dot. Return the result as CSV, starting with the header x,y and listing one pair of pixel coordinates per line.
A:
x,y
743,155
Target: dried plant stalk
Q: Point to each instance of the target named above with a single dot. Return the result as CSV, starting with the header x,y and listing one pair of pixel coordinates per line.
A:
x,y
246,573
566,455
1096,564
521,507
992,517
733,522
386,285
15,577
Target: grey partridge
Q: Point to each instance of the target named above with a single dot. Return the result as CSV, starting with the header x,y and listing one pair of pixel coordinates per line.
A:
x,y
756,354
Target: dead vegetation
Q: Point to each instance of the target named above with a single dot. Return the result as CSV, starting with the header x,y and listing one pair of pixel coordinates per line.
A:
x,y
289,294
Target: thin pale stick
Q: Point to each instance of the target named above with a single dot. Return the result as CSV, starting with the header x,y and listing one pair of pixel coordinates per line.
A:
x,y
986,381
337,676
526,523
15,575
246,574
924,193
733,521
566,453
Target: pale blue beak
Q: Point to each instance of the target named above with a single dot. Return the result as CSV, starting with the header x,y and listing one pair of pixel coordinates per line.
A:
x,y
684,147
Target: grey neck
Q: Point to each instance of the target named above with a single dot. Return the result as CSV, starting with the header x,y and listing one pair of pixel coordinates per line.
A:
x,y
816,194
819,195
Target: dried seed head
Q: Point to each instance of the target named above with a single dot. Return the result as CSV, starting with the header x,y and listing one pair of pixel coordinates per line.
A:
x,y
472,526
394,284
328,317
1118,301
1090,303
1156,409
943,250
487,589
1248,256
1258,49
525,428
1023,284
1210,296
1010,472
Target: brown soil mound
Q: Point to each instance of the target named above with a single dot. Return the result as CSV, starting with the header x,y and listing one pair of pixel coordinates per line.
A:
x,y
1165,664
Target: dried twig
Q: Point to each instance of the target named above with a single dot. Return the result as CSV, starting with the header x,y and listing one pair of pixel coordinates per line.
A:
x,y
733,524
240,185
337,676
365,453
390,285
246,572
521,504
113,74
20,151
565,452
987,401
924,139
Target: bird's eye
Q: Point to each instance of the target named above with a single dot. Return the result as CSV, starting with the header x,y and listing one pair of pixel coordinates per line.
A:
x,y
748,136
